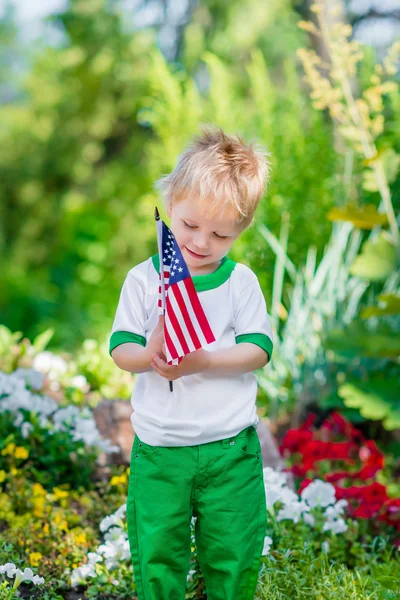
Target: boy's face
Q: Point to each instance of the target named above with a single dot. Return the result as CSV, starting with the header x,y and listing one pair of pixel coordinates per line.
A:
x,y
203,241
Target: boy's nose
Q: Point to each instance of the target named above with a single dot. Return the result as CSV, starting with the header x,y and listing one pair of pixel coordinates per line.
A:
x,y
200,241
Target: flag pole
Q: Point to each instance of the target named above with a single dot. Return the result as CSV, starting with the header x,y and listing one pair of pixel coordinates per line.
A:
x,y
159,243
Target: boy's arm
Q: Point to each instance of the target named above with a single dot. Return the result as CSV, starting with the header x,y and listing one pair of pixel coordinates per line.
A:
x,y
132,357
242,358
135,358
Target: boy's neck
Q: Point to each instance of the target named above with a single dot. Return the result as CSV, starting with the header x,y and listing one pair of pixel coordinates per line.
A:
x,y
204,270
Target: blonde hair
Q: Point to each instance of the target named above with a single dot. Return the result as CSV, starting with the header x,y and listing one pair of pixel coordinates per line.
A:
x,y
222,172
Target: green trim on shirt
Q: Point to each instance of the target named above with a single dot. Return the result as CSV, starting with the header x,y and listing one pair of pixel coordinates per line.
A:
x,y
202,283
122,337
259,339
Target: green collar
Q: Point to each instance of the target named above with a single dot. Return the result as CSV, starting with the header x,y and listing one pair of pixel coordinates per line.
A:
x,y
202,283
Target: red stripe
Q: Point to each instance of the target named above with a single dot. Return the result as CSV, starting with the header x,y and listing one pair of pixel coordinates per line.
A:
x,y
198,310
169,344
186,317
175,324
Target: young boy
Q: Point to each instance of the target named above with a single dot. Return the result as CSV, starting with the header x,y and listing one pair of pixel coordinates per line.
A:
x,y
196,451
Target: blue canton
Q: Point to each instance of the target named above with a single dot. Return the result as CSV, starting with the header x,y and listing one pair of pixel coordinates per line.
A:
x,y
172,256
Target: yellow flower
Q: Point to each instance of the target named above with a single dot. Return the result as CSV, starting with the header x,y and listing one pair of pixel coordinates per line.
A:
x,y
80,538
46,528
3,475
38,490
13,471
21,452
38,504
62,524
116,480
58,493
34,558
9,449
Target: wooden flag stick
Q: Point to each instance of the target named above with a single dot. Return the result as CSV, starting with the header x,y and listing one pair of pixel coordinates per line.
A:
x,y
159,234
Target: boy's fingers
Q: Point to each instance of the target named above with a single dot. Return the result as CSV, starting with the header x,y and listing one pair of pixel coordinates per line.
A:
x,y
160,362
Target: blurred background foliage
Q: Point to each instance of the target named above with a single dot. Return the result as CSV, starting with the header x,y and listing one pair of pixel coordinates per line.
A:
x,y
96,119
88,124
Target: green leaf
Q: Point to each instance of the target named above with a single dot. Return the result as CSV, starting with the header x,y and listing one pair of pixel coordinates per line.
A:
x,y
391,583
392,307
365,217
376,261
40,342
392,421
371,405
358,340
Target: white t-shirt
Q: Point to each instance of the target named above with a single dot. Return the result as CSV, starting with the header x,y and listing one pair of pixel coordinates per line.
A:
x,y
203,407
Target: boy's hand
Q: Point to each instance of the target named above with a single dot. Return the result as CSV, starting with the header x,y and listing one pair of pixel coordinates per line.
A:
x,y
192,363
156,340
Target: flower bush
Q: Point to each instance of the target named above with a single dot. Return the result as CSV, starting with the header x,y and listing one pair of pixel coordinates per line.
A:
x,y
12,571
300,525
55,444
340,453
84,378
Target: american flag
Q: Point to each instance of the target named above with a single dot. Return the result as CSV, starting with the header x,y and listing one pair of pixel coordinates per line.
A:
x,y
186,327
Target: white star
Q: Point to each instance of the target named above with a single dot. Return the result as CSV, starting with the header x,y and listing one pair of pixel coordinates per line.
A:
x,y
177,260
164,259
180,269
174,252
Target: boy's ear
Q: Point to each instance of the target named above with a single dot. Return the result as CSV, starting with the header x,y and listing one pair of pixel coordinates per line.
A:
x,y
169,209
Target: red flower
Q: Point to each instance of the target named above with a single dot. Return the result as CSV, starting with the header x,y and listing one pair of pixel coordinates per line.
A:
x,y
317,450
309,422
367,511
304,484
344,427
294,439
373,493
391,512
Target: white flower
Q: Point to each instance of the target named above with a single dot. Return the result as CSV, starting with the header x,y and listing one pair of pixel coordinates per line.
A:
x,y
32,377
80,382
267,544
333,512
80,575
115,551
9,569
26,575
308,519
293,511
93,558
114,519
319,493
26,428
49,363
325,546
338,526
274,478
107,522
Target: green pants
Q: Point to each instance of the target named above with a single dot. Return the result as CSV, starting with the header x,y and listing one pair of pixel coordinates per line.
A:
x,y
220,483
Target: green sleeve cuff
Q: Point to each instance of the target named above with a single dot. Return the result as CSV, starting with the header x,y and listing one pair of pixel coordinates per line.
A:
x,y
122,337
259,339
